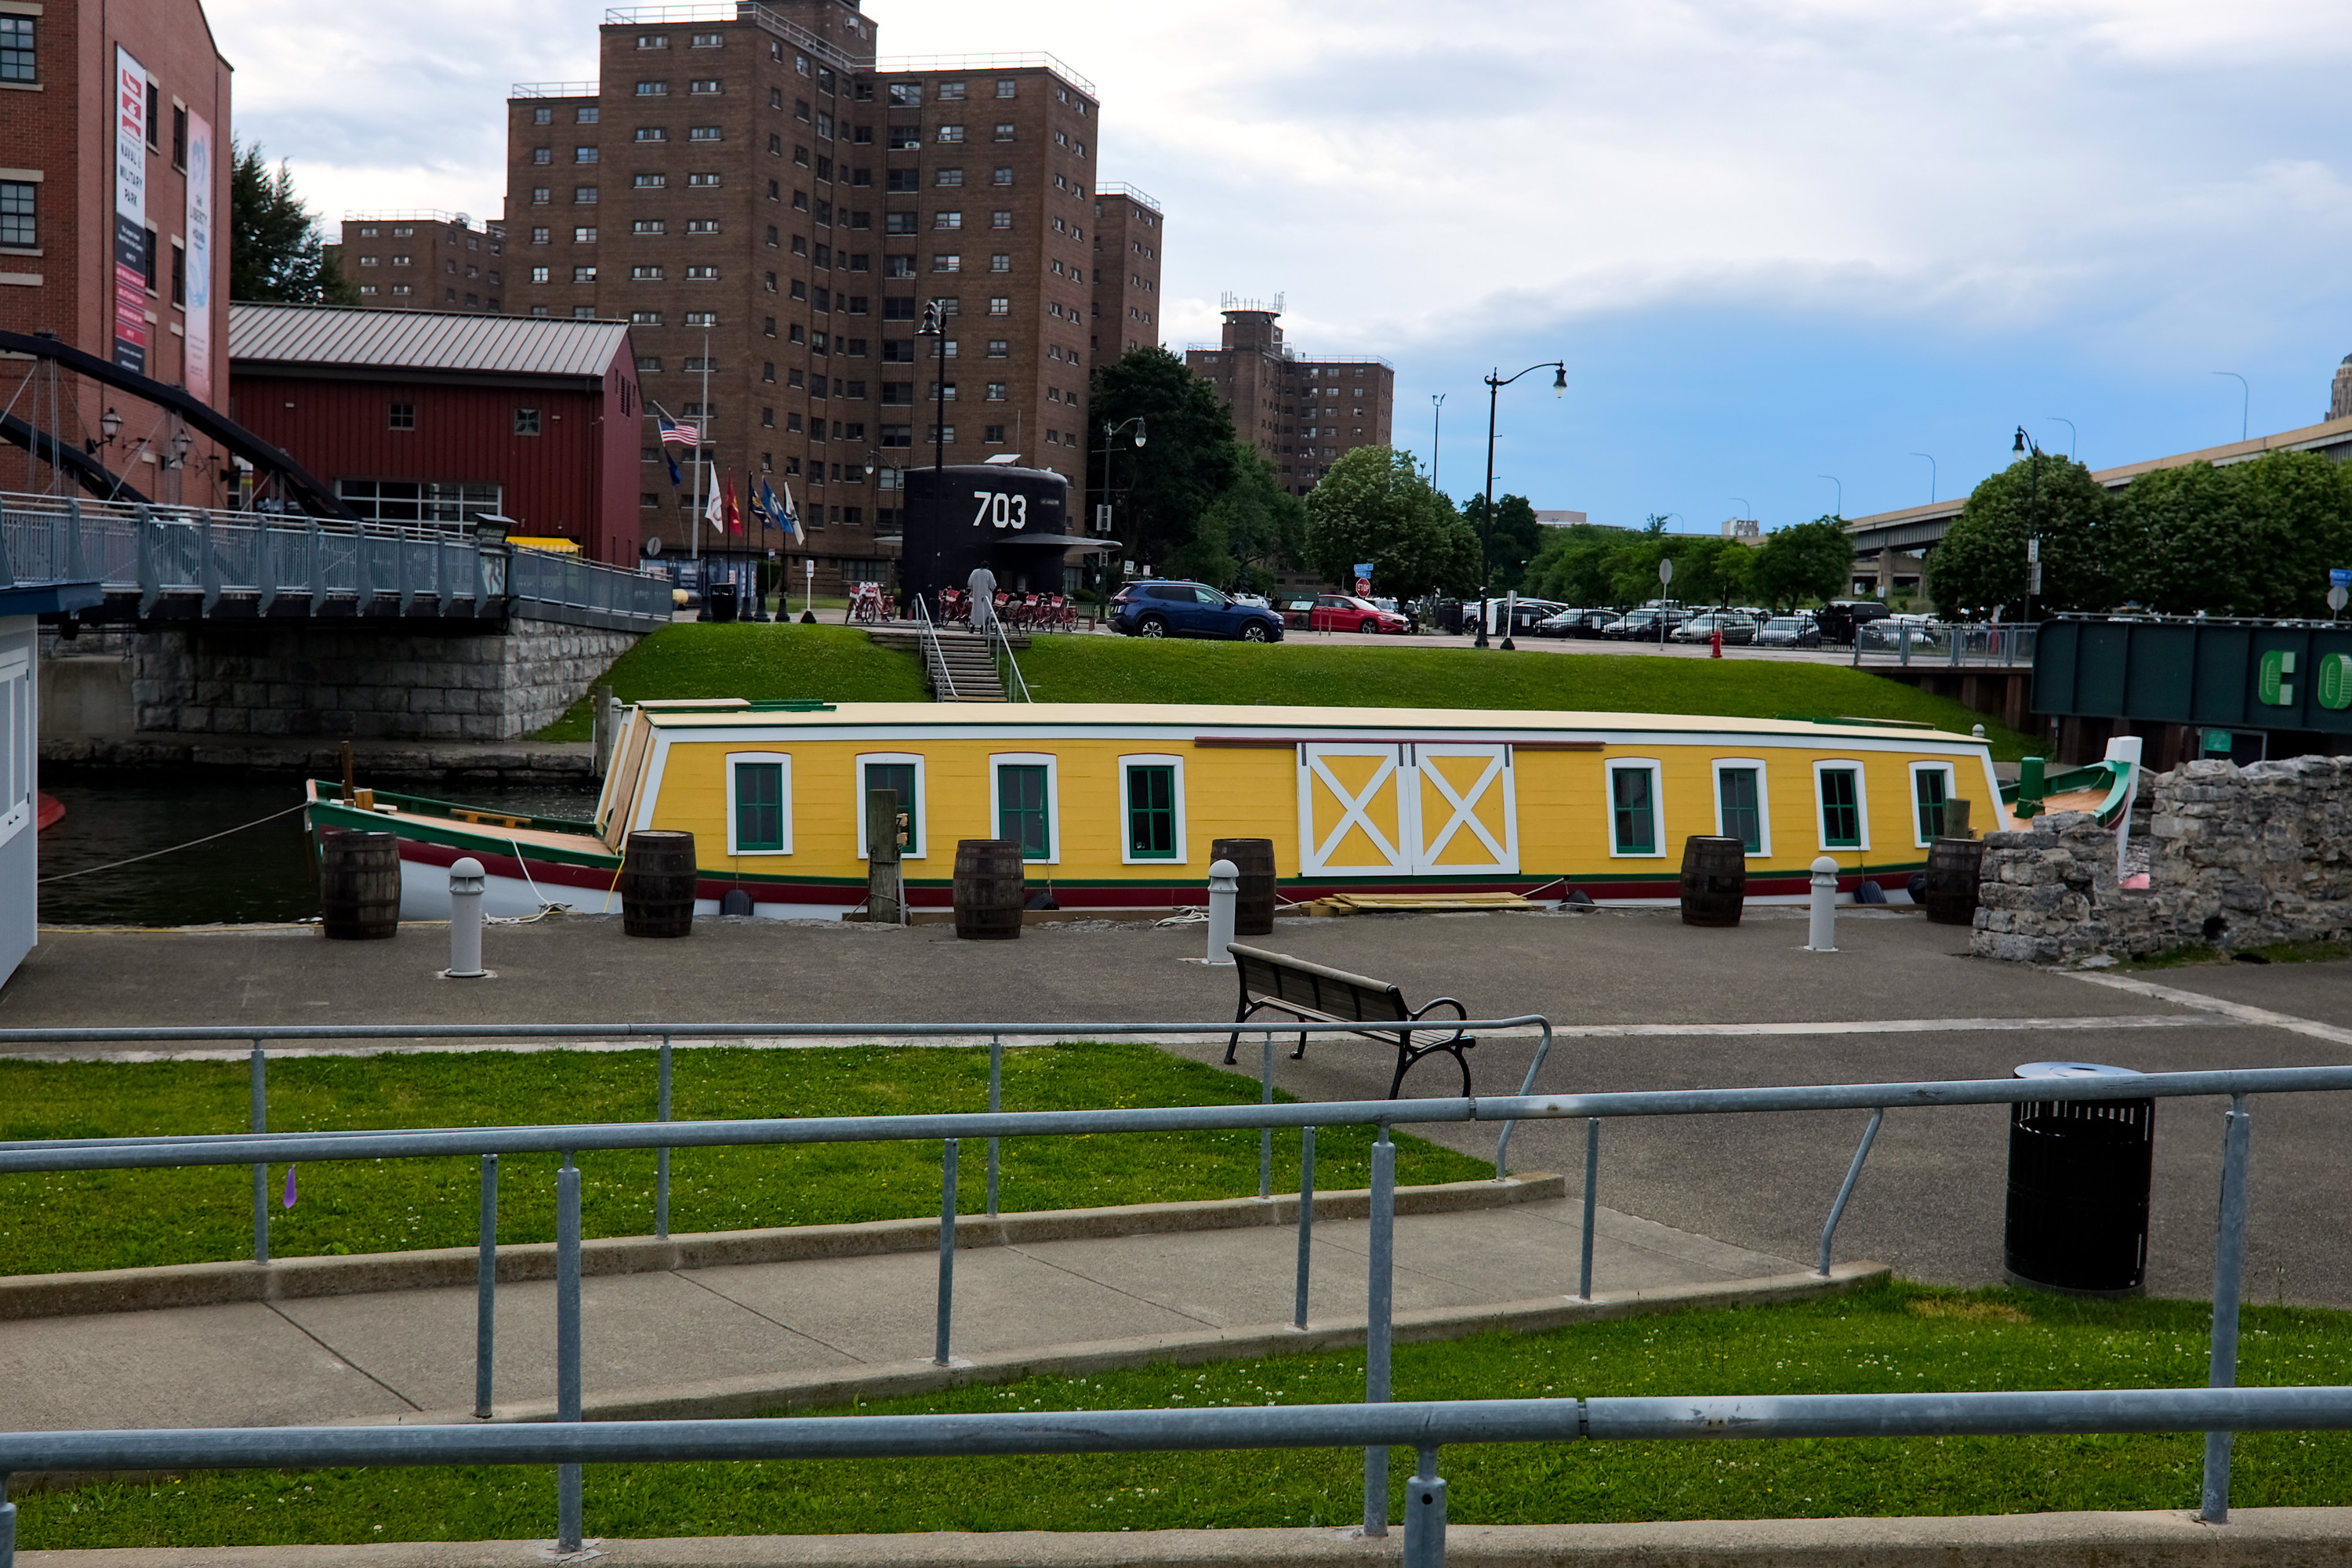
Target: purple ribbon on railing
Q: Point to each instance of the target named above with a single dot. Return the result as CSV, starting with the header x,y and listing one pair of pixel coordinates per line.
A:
x,y
289,1187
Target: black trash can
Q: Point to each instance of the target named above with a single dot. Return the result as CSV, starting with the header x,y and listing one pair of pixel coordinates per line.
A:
x,y
718,602
2079,1173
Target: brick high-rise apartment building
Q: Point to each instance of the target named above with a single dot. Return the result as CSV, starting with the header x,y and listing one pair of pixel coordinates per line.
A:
x,y
1301,412
114,134
1127,271
762,202
423,260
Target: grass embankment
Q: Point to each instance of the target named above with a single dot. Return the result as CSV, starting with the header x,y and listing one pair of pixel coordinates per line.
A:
x,y
1892,1337
839,665
115,1219
758,660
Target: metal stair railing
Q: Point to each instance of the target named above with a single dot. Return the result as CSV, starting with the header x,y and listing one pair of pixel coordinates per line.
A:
x,y
935,658
1008,669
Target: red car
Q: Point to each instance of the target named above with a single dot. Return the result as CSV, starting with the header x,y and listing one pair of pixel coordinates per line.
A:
x,y
1346,613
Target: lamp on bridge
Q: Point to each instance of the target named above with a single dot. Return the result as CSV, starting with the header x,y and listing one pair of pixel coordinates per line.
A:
x,y
111,423
178,456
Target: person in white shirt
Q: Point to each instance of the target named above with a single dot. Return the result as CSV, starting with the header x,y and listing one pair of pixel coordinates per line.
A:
x,y
982,585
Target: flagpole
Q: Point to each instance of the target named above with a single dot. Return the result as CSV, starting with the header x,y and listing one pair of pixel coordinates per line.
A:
x,y
701,444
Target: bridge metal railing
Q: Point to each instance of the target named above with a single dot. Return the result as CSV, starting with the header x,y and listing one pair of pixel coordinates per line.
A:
x,y
373,568
1956,646
2220,1410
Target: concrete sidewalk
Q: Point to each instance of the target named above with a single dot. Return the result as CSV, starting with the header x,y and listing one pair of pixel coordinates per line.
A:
x,y
734,1340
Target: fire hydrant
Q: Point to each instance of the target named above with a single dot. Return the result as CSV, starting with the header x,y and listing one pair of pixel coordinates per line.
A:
x,y
1715,643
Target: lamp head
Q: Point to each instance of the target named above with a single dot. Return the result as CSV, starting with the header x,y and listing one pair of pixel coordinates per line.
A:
x,y
2019,445
1560,380
1138,432
111,423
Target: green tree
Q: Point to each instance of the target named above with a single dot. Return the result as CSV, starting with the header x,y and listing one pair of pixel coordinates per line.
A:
x,y
1162,489
1254,527
1803,561
1514,543
1373,505
275,250
1572,565
1981,561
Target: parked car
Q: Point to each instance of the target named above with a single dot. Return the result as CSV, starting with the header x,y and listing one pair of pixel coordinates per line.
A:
x,y
1346,613
1561,623
1642,624
1839,618
1251,601
1175,609
1735,627
1789,631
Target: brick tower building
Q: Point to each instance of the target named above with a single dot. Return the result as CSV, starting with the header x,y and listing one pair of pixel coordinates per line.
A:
x,y
1301,412
770,208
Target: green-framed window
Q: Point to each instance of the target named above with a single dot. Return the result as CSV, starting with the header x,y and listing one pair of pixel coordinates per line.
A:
x,y
1739,793
1024,807
1634,810
1931,788
1840,789
899,778
759,808
1150,811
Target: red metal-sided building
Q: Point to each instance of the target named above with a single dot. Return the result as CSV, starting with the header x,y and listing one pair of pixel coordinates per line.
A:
x,y
425,417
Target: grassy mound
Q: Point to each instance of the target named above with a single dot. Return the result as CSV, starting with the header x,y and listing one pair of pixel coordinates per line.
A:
x,y
759,660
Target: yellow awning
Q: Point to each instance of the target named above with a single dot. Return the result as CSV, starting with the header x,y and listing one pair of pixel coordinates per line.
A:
x,y
552,546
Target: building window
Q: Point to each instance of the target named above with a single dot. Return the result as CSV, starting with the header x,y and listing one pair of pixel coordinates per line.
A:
x,y
179,275
998,348
651,181
702,226
993,435
399,501
649,365
702,317
947,220
702,274
947,263
1151,791
702,133
647,226
1740,809
1004,132
586,114
706,86
906,95
1633,825
647,274
645,317
653,89
699,182
897,434
584,273
584,196
652,133
707,40
401,417
526,422
1000,263
1838,787
540,195
758,804
583,155
1931,790
1006,86
952,135
178,137
20,211
1023,794
540,274
653,40
18,59
902,776
999,305
584,235
1000,220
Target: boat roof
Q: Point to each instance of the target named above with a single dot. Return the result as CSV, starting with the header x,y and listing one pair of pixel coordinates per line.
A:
x,y
683,716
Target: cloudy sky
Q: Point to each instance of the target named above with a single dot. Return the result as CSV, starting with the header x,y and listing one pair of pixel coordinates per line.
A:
x,y
1775,240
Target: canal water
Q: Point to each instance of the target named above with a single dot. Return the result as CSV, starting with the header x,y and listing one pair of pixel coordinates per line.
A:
x,y
261,873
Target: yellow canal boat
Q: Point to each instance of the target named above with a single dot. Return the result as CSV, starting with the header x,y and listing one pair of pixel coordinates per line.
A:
x,y
1115,806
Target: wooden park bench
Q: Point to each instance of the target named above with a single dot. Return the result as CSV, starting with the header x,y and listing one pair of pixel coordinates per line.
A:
x,y
1316,995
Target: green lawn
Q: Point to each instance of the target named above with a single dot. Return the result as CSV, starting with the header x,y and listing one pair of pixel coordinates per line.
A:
x,y
837,664
113,1219
754,659
1890,1337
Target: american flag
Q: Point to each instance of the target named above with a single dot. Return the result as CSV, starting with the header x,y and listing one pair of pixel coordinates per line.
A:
x,y
680,431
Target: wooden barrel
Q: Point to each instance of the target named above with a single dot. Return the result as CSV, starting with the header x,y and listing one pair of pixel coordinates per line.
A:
x,y
1254,858
657,884
990,889
1952,868
1715,880
359,884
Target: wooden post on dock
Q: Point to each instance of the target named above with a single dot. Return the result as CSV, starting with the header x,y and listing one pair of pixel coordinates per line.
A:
x,y
600,726
884,894
351,772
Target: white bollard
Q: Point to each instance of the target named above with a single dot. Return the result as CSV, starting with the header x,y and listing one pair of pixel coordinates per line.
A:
x,y
466,882
1822,934
2124,750
1225,894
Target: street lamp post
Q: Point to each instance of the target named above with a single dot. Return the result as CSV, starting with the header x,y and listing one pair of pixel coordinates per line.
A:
x,y
2245,400
2025,444
2073,436
1931,476
934,327
1841,493
1102,511
1495,381
1436,426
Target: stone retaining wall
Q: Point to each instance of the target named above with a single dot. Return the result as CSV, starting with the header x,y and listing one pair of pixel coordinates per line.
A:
x,y
2242,856
222,678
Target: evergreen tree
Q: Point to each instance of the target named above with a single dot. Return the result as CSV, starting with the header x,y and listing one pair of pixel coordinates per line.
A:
x,y
276,254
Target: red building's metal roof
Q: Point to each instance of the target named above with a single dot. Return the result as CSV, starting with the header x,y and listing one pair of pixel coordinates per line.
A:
x,y
322,335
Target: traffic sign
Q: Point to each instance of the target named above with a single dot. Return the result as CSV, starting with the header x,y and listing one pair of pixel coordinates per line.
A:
x,y
2337,597
1363,587
1665,572
2339,576
1363,568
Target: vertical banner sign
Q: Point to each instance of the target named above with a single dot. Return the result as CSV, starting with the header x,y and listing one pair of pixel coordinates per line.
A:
x,y
199,373
130,213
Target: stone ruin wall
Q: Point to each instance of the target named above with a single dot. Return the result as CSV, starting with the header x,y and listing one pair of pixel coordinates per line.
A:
x,y
2241,858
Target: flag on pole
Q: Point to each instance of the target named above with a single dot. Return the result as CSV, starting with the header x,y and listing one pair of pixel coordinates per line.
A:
x,y
779,512
715,513
676,478
734,513
676,430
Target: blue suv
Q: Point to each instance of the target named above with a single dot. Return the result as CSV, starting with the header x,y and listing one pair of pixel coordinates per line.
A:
x,y
1156,608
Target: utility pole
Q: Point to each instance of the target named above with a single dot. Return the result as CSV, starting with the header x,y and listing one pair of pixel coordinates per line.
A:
x,y
1436,422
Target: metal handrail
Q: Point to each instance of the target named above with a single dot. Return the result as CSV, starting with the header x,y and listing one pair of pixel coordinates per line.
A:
x,y
1008,669
2219,1410
935,658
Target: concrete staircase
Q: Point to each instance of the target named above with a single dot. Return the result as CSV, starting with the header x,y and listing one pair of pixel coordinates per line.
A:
x,y
971,664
